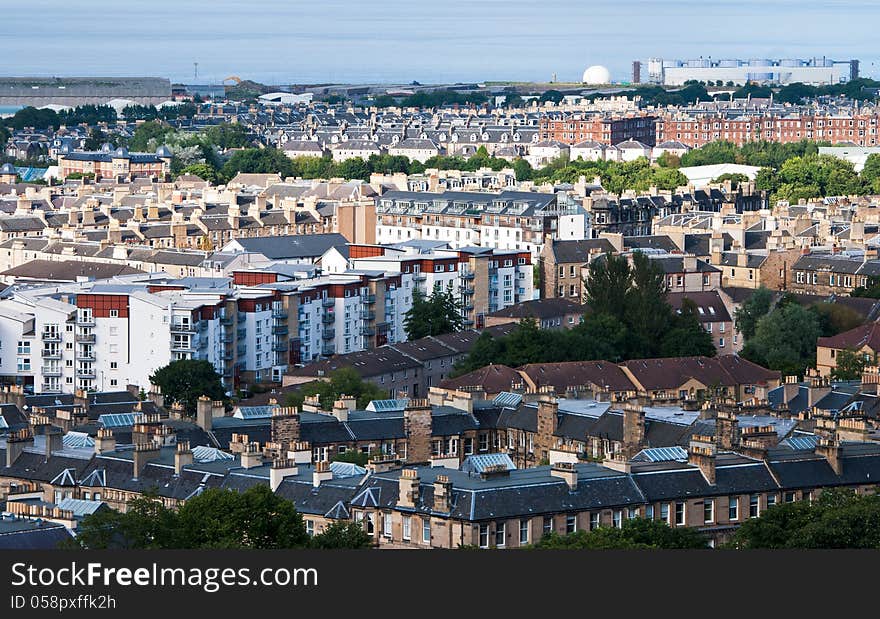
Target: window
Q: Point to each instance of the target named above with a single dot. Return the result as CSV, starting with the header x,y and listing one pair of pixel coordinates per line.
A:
x,y
426,530
114,313
594,521
617,518
310,527
500,531
789,497
649,512
664,512
484,442
570,523
468,446
113,365
386,525
484,536
754,512
524,531
708,511
771,500
632,513
547,525
733,508
407,523
679,513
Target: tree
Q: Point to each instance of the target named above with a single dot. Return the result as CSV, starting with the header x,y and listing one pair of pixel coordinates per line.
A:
x,y
850,365
149,136
607,285
185,380
349,535
342,381
785,340
218,518
227,135
634,533
685,335
840,518
205,171
871,172
735,179
258,161
435,315
647,313
752,310
835,318
256,518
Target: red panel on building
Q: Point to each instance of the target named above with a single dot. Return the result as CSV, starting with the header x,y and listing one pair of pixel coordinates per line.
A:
x,y
253,278
102,304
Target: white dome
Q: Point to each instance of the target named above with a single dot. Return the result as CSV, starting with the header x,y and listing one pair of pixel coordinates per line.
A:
x,y
597,74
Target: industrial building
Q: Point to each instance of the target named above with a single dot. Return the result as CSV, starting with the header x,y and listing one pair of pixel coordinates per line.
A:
x,y
817,71
73,91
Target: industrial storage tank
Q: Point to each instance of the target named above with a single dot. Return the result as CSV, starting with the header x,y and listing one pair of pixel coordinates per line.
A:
x,y
699,63
760,62
728,64
596,75
790,62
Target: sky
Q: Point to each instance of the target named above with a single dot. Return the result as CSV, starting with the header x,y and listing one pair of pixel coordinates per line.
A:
x,y
292,41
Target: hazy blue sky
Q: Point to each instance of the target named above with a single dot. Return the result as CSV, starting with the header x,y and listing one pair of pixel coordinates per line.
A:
x,y
279,41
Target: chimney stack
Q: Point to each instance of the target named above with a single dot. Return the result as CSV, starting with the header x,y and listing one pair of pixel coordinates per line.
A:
x,y
105,441
830,450
727,430
566,471
633,429
442,494
182,457
281,468
408,488
702,454
251,456
15,444
322,473
54,440
143,453
417,423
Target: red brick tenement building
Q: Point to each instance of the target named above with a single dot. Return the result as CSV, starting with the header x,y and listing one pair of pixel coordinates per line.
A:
x,y
695,131
608,130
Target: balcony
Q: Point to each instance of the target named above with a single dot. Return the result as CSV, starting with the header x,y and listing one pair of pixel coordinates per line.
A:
x,y
279,347
50,388
85,321
328,350
369,299
468,306
51,336
226,338
467,275
279,314
419,277
241,333
187,348
226,321
86,356
241,317
51,371
227,355
368,315
183,328
467,291
241,350
279,329
328,334
328,318
85,373
88,338
328,302
51,353
368,331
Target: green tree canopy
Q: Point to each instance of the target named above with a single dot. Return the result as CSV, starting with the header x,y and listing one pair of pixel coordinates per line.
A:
x,y
839,518
752,310
349,535
433,315
342,381
849,365
186,380
635,533
785,340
